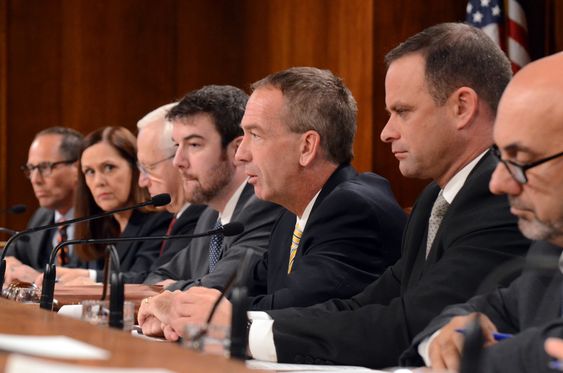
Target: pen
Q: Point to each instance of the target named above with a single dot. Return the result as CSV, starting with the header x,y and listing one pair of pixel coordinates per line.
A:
x,y
556,364
496,336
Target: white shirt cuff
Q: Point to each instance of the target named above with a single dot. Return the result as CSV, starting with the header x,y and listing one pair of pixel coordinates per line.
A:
x,y
424,346
261,337
92,274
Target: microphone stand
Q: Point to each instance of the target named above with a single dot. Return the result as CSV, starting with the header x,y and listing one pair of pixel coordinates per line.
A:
x,y
48,286
158,200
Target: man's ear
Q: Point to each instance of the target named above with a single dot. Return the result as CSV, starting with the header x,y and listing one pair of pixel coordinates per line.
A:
x,y
310,146
465,105
233,147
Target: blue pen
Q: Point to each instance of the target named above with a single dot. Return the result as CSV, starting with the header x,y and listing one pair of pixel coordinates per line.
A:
x,y
496,336
556,364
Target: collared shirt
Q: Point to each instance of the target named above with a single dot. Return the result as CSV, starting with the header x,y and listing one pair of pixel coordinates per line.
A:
x,y
227,213
184,208
69,229
261,336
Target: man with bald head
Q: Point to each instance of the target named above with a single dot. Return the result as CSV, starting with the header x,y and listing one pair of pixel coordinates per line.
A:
x,y
528,135
155,151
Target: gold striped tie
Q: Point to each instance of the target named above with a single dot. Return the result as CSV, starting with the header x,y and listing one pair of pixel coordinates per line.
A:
x,y
297,232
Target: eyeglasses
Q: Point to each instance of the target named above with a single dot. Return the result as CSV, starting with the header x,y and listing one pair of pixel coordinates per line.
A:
x,y
45,168
146,170
517,170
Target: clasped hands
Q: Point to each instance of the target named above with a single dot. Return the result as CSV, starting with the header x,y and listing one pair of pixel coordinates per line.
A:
x,y
167,314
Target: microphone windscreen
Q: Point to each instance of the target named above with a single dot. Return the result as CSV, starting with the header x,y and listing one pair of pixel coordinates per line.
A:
x,y
232,229
160,200
17,209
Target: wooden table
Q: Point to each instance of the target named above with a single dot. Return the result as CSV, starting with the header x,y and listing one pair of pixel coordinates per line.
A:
x,y
126,350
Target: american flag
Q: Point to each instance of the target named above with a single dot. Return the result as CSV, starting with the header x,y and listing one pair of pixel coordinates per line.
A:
x,y
508,29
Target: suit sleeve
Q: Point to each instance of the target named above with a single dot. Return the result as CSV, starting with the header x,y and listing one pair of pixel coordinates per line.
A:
x,y
146,252
344,249
388,328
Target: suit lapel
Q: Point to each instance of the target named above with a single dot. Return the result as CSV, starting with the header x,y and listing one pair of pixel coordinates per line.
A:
x,y
415,235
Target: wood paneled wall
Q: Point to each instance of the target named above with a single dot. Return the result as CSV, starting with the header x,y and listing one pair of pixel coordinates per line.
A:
x,y
89,63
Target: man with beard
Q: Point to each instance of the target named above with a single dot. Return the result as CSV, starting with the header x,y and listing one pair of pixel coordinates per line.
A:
x,y
528,134
206,131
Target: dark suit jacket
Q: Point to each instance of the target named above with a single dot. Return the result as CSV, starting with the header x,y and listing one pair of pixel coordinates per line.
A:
x,y
530,306
190,267
373,328
353,234
184,225
35,251
137,257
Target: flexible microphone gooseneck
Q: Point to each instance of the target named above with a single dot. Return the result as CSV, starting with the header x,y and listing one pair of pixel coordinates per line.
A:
x,y
15,209
240,303
474,338
156,201
48,288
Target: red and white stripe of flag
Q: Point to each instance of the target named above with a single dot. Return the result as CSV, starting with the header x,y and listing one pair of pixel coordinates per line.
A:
x,y
517,32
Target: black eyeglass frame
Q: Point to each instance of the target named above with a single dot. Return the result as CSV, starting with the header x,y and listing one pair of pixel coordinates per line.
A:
x,y
517,170
45,169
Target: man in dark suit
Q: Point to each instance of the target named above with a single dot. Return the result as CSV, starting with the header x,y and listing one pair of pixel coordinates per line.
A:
x,y
341,229
440,126
155,150
528,135
53,172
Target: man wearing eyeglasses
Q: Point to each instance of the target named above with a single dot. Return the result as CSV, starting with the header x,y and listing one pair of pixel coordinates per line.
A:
x,y
155,151
53,172
529,142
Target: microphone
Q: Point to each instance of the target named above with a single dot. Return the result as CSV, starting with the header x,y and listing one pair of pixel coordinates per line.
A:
x,y
240,303
48,287
474,338
15,209
156,201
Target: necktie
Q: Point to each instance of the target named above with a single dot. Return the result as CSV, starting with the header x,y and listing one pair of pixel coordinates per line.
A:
x,y
215,247
63,257
436,215
297,232
168,231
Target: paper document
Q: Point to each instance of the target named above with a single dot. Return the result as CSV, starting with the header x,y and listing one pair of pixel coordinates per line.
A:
x,y
25,364
51,346
266,365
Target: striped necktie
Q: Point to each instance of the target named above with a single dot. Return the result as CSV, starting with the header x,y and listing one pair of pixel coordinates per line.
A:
x,y
295,239
168,231
63,257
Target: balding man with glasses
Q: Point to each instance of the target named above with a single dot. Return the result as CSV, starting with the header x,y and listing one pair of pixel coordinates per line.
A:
x,y
52,169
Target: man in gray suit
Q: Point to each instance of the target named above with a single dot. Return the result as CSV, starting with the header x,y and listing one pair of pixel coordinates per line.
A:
x,y
206,130
529,136
52,170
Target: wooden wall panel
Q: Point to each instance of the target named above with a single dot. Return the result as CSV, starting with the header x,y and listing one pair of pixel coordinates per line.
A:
x,y
33,88
335,35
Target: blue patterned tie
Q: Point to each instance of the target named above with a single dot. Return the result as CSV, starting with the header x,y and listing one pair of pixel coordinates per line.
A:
x,y
215,247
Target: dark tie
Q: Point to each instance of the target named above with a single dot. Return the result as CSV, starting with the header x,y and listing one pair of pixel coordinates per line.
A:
x,y
438,211
63,257
168,231
215,247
